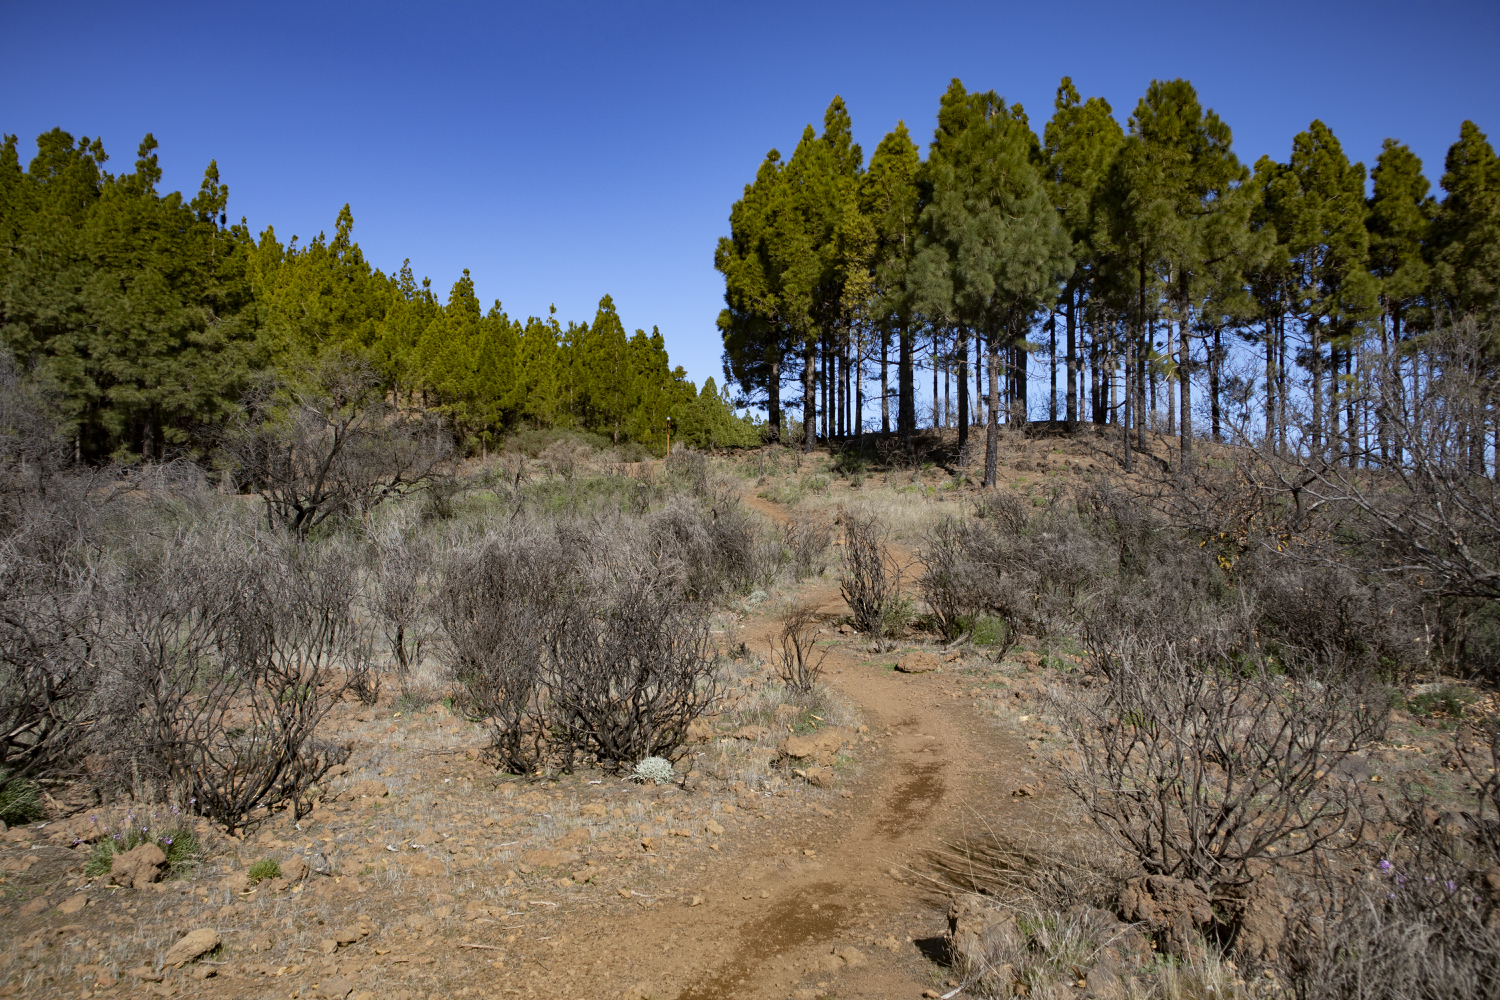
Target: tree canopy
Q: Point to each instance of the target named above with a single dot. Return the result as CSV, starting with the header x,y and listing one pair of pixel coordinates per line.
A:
x,y
150,317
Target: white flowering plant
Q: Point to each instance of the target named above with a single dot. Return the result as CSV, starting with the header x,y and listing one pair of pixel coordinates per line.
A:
x,y
654,769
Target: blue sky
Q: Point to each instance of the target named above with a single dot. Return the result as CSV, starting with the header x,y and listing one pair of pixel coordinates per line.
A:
x,y
561,151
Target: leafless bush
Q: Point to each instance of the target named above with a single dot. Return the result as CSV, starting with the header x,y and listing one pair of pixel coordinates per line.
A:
x,y
871,578
330,447
628,678
401,601
793,653
1199,765
227,652
1309,609
1031,569
706,551
500,608
805,540
49,627
1413,933
567,667
1478,748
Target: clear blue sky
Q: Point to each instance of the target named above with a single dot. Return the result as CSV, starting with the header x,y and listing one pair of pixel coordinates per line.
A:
x,y
564,150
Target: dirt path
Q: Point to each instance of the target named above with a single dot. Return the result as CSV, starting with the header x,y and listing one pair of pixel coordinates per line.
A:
x,y
935,764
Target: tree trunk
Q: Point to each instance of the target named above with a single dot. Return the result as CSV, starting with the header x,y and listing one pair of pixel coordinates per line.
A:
x,y
1215,384
859,389
1127,392
1052,363
906,385
885,383
1270,383
773,400
1316,343
937,401
809,395
1169,384
1185,388
992,428
1071,409
823,382
963,389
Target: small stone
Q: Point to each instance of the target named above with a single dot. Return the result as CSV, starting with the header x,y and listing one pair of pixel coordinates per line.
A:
x,y
551,859
367,790
917,663
137,867
73,903
335,987
624,892
144,972
192,945
201,972
852,957
294,869
328,946
809,852
36,906
713,827
648,844
932,994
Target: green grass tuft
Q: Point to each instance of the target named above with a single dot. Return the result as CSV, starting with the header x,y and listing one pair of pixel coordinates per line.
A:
x,y
179,843
264,869
20,801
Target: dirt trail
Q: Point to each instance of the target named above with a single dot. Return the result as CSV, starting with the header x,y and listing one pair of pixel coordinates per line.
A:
x,y
934,764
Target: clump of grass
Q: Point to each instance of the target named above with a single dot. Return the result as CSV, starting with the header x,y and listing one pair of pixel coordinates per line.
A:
x,y
263,869
20,801
1448,700
178,842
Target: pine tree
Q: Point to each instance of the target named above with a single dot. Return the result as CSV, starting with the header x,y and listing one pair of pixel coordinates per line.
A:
x,y
990,250
1466,268
1080,143
1316,203
889,198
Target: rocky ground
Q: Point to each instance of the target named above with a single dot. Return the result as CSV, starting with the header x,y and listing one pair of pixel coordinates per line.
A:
x,y
796,859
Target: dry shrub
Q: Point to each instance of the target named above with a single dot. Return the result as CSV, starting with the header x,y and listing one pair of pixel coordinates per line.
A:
x,y
499,602
794,653
705,551
1416,932
871,579
628,676
49,626
565,667
1198,765
401,598
805,540
1029,875
226,652
1033,569
331,445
